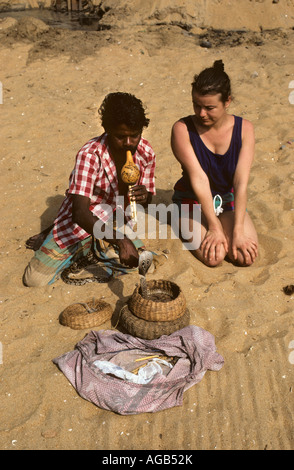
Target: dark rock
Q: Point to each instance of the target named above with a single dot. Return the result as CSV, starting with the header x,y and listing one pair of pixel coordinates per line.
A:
x,y
205,43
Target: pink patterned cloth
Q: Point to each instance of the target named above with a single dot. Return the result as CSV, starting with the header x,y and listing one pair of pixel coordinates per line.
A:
x,y
193,346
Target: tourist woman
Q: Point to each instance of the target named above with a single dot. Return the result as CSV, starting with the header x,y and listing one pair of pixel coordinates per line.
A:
x,y
215,150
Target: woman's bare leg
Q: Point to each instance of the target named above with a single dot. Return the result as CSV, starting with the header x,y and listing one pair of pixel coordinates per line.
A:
x,y
227,221
192,234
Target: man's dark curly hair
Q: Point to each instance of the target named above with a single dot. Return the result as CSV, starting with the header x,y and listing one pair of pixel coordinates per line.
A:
x,y
122,108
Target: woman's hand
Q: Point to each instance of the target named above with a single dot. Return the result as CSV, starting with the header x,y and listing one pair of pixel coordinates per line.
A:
x,y
213,244
244,246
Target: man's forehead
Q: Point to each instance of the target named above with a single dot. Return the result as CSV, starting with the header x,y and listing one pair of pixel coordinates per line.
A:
x,y
123,129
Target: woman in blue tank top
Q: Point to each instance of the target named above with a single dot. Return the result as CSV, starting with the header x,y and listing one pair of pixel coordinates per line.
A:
x,y
215,150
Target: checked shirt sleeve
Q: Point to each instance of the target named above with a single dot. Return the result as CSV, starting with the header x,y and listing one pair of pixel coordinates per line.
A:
x,y
82,181
147,160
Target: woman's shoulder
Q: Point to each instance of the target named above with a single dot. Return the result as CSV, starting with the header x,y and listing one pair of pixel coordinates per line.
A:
x,y
184,119
245,122
247,126
182,123
247,129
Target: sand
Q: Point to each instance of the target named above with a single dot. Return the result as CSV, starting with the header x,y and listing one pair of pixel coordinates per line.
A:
x,y
53,82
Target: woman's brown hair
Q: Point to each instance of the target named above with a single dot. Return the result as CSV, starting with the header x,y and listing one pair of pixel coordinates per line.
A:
x,y
213,80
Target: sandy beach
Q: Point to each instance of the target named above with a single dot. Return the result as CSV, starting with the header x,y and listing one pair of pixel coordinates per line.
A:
x,y
53,81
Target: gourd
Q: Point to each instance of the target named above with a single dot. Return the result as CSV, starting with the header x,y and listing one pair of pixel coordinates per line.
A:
x,y
130,174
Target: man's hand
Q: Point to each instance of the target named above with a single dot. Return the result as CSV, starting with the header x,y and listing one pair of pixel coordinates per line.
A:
x,y
140,195
128,254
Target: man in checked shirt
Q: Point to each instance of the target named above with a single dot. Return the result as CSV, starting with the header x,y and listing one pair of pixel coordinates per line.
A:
x,y
94,186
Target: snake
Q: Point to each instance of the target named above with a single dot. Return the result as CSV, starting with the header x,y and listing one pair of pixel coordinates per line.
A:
x,y
145,260
76,266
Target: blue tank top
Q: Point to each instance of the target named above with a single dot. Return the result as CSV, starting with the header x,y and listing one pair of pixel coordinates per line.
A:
x,y
220,169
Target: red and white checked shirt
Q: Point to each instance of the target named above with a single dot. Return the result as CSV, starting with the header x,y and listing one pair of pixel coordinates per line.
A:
x,y
95,177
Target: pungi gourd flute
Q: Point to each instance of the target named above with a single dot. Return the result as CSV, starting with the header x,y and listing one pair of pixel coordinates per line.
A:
x,y
130,174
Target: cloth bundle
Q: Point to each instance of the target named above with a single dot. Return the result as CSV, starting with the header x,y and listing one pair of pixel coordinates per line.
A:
x,y
193,347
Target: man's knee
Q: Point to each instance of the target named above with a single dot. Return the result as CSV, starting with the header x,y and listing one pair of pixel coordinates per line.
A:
x,y
33,277
32,281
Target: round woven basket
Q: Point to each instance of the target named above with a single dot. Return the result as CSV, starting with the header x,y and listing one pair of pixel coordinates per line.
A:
x,y
165,302
89,314
151,330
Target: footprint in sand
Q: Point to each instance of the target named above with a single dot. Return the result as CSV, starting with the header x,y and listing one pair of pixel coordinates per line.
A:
x,y
291,95
269,249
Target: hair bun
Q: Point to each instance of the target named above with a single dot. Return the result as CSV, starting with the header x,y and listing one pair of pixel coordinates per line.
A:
x,y
219,66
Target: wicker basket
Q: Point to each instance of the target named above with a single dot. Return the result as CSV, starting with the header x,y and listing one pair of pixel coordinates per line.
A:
x,y
151,330
165,302
90,314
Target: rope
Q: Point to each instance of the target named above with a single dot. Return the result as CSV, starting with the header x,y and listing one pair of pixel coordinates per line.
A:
x,y
217,205
87,307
